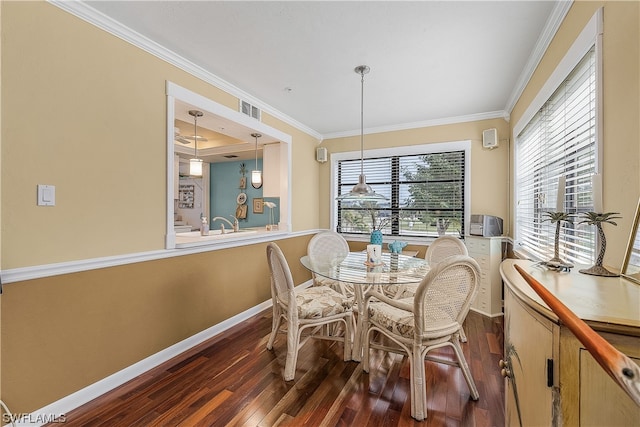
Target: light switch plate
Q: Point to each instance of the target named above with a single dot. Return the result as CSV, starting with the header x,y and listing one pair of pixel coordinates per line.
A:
x,y
46,195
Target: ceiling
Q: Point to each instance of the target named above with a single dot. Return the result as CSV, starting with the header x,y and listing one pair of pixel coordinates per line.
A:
x,y
431,61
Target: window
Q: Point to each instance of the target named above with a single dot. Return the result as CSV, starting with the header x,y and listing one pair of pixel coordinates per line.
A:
x,y
560,140
426,187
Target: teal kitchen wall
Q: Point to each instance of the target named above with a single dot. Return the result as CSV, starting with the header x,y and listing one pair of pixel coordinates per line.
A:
x,y
224,191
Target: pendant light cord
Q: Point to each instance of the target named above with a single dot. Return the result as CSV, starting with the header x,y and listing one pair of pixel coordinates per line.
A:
x,y
195,133
362,122
195,114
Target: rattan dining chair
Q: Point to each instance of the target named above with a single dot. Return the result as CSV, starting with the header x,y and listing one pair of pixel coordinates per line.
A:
x,y
325,247
431,319
440,249
312,307
443,247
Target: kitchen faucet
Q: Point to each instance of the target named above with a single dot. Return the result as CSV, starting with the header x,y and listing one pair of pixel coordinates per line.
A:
x,y
234,225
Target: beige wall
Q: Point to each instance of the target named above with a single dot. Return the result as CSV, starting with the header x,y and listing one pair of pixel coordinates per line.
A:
x,y
304,177
86,112
621,107
489,168
71,92
63,333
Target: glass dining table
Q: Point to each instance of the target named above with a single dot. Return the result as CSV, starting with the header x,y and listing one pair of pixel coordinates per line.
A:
x,y
394,269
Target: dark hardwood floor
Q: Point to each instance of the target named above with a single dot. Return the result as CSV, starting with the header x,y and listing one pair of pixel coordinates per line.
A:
x,y
234,380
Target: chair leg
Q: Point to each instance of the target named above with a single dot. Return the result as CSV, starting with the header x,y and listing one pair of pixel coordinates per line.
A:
x,y
275,326
365,351
463,336
418,391
348,337
462,362
293,344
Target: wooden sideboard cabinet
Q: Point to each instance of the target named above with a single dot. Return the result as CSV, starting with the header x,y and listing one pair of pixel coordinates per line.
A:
x,y
556,380
487,251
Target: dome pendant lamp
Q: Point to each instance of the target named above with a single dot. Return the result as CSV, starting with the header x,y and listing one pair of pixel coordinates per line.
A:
x,y
361,191
195,164
256,174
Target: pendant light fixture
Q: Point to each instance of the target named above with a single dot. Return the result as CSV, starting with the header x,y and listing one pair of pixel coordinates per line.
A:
x,y
195,164
362,191
256,174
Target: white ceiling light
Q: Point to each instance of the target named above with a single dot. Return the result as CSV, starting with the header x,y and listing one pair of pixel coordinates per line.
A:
x,y
195,164
256,174
362,191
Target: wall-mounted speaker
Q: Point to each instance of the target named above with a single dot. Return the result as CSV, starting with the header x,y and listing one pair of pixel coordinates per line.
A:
x,y
321,154
490,138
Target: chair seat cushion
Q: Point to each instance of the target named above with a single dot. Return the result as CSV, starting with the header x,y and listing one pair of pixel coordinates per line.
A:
x,y
320,301
343,288
402,322
405,290
395,320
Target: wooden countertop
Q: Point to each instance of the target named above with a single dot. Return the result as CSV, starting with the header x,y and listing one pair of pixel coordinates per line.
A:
x,y
605,303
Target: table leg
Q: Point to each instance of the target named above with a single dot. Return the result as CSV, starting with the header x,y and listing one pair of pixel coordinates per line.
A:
x,y
360,332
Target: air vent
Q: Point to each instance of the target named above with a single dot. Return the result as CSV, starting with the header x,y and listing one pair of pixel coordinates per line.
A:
x,y
249,110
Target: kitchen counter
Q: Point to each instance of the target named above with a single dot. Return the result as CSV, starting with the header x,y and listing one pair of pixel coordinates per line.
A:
x,y
215,237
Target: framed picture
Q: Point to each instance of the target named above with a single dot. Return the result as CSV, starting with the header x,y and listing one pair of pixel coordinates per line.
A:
x,y
186,196
631,265
258,205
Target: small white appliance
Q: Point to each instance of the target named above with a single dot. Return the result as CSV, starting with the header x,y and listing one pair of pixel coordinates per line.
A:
x,y
485,225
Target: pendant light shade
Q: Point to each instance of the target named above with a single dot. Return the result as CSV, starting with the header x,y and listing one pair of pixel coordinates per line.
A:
x,y
361,191
195,167
256,174
195,164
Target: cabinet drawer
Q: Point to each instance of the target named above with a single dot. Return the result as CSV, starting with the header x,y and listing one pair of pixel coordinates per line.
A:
x,y
484,263
477,245
481,303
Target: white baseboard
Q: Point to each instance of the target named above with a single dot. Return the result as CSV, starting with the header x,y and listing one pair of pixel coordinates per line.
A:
x,y
486,314
65,405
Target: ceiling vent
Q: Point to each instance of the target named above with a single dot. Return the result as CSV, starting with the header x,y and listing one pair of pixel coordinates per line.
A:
x,y
249,110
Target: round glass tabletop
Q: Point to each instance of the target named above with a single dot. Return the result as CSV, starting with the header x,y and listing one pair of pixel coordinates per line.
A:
x,y
394,269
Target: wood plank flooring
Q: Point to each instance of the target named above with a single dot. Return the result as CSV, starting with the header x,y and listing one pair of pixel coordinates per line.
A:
x,y
234,380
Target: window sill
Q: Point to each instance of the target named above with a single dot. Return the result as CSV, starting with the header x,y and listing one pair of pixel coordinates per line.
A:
x,y
412,240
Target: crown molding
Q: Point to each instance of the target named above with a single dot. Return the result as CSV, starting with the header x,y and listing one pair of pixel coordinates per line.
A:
x,y
422,124
85,12
551,27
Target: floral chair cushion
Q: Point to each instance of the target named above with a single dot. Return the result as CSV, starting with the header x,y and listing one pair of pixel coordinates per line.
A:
x,y
402,322
320,301
395,320
343,288
403,291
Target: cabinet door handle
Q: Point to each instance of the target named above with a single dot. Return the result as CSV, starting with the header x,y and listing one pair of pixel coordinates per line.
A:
x,y
506,370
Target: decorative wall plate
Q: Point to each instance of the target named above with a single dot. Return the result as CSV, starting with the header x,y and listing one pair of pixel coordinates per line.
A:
x,y
242,198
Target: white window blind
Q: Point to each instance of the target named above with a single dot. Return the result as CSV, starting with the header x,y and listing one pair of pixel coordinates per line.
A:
x,y
422,190
560,140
